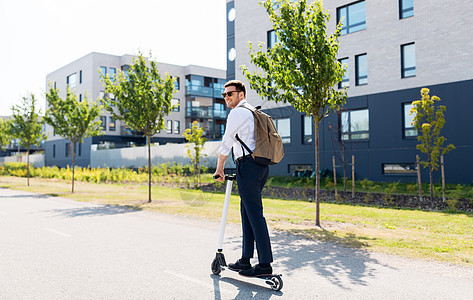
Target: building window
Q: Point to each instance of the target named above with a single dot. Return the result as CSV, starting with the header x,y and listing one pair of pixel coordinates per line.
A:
x,y
361,69
406,8
111,124
409,130
346,77
219,110
80,97
79,149
103,119
400,169
352,16
103,72
284,129
72,80
177,83
54,150
112,72
177,127
80,77
355,125
231,15
232,54
175,104
307,127
68,149
169,127
408,60
272,38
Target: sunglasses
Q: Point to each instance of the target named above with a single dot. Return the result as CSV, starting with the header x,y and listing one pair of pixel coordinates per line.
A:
x,y
224,95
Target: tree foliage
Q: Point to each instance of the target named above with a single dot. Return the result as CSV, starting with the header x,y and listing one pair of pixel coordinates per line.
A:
x,y
141,99
194,136
5,133
72,119
27,127
302,67
428,121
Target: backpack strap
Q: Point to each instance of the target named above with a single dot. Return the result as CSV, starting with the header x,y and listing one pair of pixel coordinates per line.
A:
x,y
244,145
238,138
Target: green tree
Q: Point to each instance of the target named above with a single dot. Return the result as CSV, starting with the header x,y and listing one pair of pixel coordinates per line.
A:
x,y
26,126
141,99
302,67
5,133
72,119
428,121
194,135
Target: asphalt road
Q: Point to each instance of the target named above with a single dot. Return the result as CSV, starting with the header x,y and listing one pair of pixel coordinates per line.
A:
x,y
53,248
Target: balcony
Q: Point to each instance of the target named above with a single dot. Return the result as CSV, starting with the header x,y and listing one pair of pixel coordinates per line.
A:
x,y
199,112
197,90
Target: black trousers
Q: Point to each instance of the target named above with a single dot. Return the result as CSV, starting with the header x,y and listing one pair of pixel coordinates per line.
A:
x,y
251,177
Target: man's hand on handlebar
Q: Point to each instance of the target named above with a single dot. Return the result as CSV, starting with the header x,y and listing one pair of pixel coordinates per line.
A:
x,y
221,176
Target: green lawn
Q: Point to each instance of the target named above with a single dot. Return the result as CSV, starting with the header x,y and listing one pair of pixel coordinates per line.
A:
x,y
445,237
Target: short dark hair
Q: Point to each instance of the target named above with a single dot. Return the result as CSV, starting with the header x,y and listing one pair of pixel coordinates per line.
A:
x,y
238,84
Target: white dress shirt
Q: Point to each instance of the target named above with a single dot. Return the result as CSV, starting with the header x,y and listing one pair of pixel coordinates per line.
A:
x,y
240,121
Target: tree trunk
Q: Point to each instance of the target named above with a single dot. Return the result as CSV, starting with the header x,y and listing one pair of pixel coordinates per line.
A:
x,y
28,165
431,183
317,175
73,163
149,169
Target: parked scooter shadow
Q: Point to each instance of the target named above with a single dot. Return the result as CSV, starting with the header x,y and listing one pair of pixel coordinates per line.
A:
x,y
246,290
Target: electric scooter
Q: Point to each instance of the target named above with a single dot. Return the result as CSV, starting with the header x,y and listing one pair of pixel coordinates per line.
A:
x,y
219,264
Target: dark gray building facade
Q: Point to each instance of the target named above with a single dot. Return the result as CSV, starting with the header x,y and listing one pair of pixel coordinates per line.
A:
x,y
391,49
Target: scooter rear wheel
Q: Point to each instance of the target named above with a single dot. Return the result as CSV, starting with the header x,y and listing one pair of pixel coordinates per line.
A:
x,y
277,283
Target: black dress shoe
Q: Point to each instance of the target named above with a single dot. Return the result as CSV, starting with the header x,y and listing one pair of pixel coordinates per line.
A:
x,y
257,271
238,266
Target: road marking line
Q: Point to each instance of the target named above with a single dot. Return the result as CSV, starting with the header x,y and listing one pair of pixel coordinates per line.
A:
x,y
204,284
57,232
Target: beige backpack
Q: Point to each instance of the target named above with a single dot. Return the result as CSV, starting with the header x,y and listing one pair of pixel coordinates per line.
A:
x,y
268,142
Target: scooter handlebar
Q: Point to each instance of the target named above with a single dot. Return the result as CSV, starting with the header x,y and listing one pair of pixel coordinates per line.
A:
x,y
227,177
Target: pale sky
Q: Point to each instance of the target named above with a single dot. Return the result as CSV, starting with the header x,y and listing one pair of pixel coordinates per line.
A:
x,y
38,37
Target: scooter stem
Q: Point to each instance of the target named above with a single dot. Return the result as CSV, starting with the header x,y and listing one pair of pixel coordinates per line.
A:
x,y
223,223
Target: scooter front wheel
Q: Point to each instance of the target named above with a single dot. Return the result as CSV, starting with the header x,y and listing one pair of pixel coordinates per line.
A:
x,y
215,266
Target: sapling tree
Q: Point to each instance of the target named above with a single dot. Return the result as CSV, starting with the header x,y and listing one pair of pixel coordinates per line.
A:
x,y
194,136
141,98
302,67
27,127
72,119
428,121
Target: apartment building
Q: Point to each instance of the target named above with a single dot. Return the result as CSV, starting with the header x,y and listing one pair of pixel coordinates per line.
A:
x,y
392,49
197,98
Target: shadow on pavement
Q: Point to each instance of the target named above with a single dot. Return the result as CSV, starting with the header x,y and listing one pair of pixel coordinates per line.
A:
x,y
339,265
246,288
105,210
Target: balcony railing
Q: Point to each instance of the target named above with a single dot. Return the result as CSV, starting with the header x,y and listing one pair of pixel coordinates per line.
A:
x,y
197,90
199,112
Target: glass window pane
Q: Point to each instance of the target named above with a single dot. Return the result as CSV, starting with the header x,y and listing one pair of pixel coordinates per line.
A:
x,y
307,129
284,129
408,118
406,9
359,120
357,16
307,125
361,62
408,60
111,73
346,76
345,126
